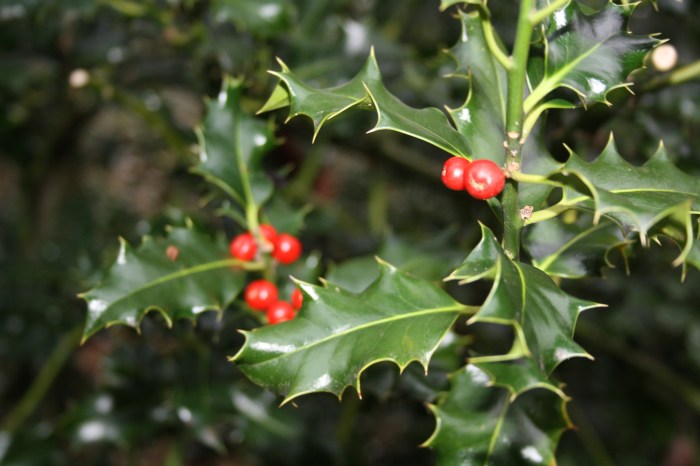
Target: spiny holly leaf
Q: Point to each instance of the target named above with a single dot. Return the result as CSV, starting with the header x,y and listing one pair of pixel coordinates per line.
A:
x,y
536,159
574,249
482,116
498,414
590,54
654,199
367,90
542,315
338,334
232,145
180,276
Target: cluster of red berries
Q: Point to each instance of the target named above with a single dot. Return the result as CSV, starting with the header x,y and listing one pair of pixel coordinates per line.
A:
x,y
262,295
482,178
285,247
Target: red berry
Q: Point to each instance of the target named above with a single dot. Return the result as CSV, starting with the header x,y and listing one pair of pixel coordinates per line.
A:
x,y
453,173
172,252
297,298
243,247
279,312
287,249
268,232
260,294
483,179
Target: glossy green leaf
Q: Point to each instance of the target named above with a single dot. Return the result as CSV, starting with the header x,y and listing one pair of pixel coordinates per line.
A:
x,y
481,119
338,334
261,17
574,249
542,315
367,90
197,278
654,199
232,145
498,414
536,160
591,54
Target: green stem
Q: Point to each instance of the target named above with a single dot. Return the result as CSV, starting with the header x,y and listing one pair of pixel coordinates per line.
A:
x,y
43,381
513,224
538,16
677,76
491,42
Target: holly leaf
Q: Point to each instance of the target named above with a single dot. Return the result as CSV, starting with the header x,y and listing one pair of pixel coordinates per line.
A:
x,y
366,90
429,259
232,145
694,255
261,17
180,276
536,159
338,334
498,414
574,249
481,119
588,53
542,315
655,199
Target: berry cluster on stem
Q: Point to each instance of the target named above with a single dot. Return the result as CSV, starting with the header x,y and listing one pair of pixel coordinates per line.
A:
x,y
262,295
482,178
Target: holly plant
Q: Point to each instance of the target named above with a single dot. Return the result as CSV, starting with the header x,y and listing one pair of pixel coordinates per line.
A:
x,y
556,220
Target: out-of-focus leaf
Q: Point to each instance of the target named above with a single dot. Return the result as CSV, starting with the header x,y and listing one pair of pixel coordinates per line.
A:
x,y
261,17
232,145
285,217
445,4
180,276
367,90
337,335
354,274
590,54
694,255
481,119
508,416
430,260
654,199
574,249
542,315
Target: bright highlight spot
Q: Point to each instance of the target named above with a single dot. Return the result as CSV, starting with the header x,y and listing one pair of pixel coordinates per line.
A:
x,y
531,454
465,115
184,414
321,382
93,431
560,19
78,78
269,11
259,140
478,375
596,85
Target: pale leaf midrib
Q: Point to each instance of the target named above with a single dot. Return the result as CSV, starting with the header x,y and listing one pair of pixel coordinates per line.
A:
x,y
375,323
201,268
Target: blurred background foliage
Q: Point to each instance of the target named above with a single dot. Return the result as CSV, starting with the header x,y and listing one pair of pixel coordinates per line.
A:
x,y
99,99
